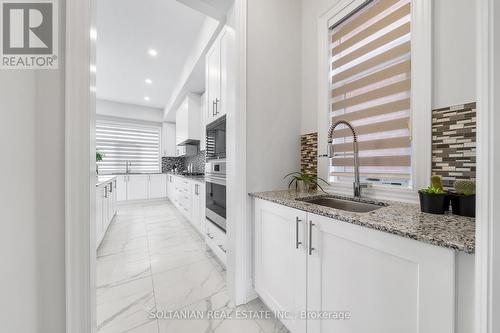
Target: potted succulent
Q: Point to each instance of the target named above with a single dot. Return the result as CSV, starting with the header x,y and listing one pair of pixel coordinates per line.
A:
x,y
463,200
304,182
433,199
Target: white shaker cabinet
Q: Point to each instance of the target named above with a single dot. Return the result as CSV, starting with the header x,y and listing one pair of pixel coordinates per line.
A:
x,y
121,188
198,205
389,284
188,120
157,186
168,139
106,196
137,187
99,196
216,78
280,260
141,187
385,283
203,115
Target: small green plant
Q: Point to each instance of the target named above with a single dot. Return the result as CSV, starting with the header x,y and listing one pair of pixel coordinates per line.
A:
x,y
465,187
436,181
98,156
433,190
307,179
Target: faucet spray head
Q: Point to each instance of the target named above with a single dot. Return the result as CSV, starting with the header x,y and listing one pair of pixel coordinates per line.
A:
x,y
330,149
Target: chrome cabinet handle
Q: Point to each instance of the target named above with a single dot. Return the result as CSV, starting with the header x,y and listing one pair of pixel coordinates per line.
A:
x,y
222,248
297,242
106,192
311,248
214,105
217,106
210,236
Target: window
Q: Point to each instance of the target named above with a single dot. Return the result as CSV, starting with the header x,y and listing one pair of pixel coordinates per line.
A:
x,y
371,88
123,142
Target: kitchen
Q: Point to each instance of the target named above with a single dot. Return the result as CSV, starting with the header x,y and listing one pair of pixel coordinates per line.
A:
x,y
161,162
390,102
168,191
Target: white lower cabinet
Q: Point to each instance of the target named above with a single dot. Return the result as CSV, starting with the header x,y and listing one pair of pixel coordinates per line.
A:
x,y
137,187
157,186
188,195
106,198
198,206
306,263
141,187
280,261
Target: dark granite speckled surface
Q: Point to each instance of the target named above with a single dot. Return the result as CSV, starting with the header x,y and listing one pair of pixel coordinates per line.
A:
x,y
406,220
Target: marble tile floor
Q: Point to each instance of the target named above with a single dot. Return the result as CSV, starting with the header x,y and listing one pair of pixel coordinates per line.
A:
x,y
152,259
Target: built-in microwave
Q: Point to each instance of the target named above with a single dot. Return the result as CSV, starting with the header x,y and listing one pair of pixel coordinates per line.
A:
x,y
216,139
215,182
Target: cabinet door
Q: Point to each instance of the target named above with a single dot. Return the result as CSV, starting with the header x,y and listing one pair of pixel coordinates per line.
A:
x,y
280,260
182,122
220,107
170,187
389,284
121,188
109,199
157,186
196,205
203,122
137,187
169,139
213,73
98,215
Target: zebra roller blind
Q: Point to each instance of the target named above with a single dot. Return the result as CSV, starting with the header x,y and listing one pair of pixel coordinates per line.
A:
x,y
122,142
371,88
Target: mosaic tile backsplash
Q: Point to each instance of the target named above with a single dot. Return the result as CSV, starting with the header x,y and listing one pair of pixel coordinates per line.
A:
x,y
454,143
309,153
182,163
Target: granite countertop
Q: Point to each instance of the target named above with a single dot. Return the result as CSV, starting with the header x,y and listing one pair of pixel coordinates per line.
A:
x,y
403,219
198,178
101,180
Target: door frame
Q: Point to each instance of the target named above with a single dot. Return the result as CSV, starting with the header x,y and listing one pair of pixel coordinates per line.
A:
x,y
487,261
80,172
80,175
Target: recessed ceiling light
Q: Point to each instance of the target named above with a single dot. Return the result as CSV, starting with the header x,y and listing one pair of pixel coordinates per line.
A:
x,y
93,68
148,81
152,52
146,98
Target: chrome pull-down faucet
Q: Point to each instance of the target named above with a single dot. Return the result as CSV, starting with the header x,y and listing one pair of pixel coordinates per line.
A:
x,y
357,185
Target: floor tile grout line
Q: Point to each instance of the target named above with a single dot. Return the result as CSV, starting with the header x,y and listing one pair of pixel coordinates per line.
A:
x,y
151,270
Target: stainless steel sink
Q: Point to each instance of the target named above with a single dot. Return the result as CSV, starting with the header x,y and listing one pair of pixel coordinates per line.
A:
x,y
347,205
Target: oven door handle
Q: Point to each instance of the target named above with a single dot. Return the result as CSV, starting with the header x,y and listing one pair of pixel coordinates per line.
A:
x,y
216,180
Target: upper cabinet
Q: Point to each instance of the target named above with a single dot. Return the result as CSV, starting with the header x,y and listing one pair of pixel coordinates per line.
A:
x,y
168,139
216,78
203,141
188,121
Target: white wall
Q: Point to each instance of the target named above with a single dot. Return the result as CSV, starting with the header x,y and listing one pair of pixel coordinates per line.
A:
x,y
454,58
453,55
273,92
128,111
32,283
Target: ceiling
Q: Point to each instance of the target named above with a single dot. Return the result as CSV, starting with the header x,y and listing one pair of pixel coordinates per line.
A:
x,y
126,30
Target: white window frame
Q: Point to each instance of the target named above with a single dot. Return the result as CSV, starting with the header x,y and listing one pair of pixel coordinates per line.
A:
x,y
138,123
421,100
